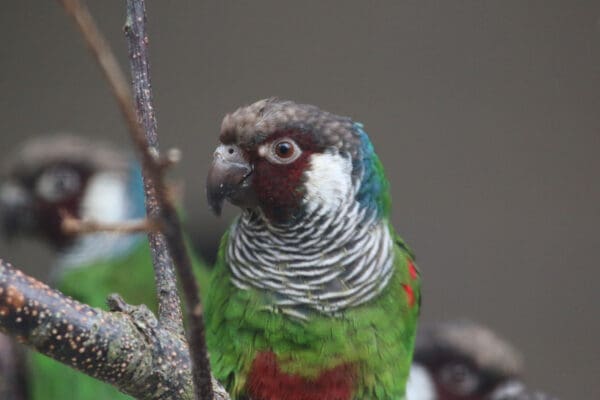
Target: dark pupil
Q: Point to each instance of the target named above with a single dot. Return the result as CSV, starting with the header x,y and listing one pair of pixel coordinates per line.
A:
x,y
284,149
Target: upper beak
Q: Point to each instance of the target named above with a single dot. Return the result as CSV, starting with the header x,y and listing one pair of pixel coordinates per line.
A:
x,y
229,177
16,214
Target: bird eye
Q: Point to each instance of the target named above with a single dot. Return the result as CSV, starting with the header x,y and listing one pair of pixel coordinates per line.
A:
x,y
284,151
57,183
459,379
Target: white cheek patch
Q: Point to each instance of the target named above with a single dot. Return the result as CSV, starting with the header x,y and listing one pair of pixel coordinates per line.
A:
x,y
105,198
509,390
419,385
329,181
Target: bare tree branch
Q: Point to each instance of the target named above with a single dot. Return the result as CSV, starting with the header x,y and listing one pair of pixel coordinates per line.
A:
x,y
135,30
157,201
169,308
126,347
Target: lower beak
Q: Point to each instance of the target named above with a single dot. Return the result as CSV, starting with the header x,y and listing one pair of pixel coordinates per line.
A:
x,y
229,178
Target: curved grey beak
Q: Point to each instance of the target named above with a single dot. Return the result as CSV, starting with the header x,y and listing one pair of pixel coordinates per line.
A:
x,y
229,178
16,214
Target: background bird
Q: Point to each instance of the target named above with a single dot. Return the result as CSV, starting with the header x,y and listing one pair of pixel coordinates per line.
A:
x,y
463,360
314,295
57,175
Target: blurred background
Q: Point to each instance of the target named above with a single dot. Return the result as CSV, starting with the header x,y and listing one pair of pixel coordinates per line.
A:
x,y
485,114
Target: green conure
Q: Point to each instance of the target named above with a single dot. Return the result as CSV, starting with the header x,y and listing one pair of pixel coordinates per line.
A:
x,y
314,295
57,175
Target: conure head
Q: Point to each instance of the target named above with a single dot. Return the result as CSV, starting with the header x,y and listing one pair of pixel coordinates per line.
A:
x,y
287,159
57,175
462,360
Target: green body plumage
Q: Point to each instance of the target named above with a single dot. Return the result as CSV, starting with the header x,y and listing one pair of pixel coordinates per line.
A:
x,y
378,336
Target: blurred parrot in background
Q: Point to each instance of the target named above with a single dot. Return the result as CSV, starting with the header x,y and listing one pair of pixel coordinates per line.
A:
x,y
463,360
314,295
57,174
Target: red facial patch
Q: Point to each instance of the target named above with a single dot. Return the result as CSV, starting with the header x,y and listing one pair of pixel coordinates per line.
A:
x,y
410,294
279,186
412,270
267,382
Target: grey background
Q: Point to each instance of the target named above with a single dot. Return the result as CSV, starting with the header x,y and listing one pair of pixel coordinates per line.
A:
x,y
486,116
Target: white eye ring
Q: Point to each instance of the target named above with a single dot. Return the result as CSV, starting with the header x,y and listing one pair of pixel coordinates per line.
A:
x,y
57,183
283,151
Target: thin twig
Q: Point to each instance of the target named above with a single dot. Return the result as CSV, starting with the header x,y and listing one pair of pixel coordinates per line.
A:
x,y
125,347
157,198
75,226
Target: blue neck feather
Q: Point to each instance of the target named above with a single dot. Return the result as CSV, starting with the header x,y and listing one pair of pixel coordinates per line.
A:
x,y
136,190
374,188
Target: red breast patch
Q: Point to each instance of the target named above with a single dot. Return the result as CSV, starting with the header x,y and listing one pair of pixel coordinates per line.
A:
x,y
266,381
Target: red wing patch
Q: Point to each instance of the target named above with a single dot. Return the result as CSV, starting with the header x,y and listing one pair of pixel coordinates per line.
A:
x,y
266,381
412,270
410,294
